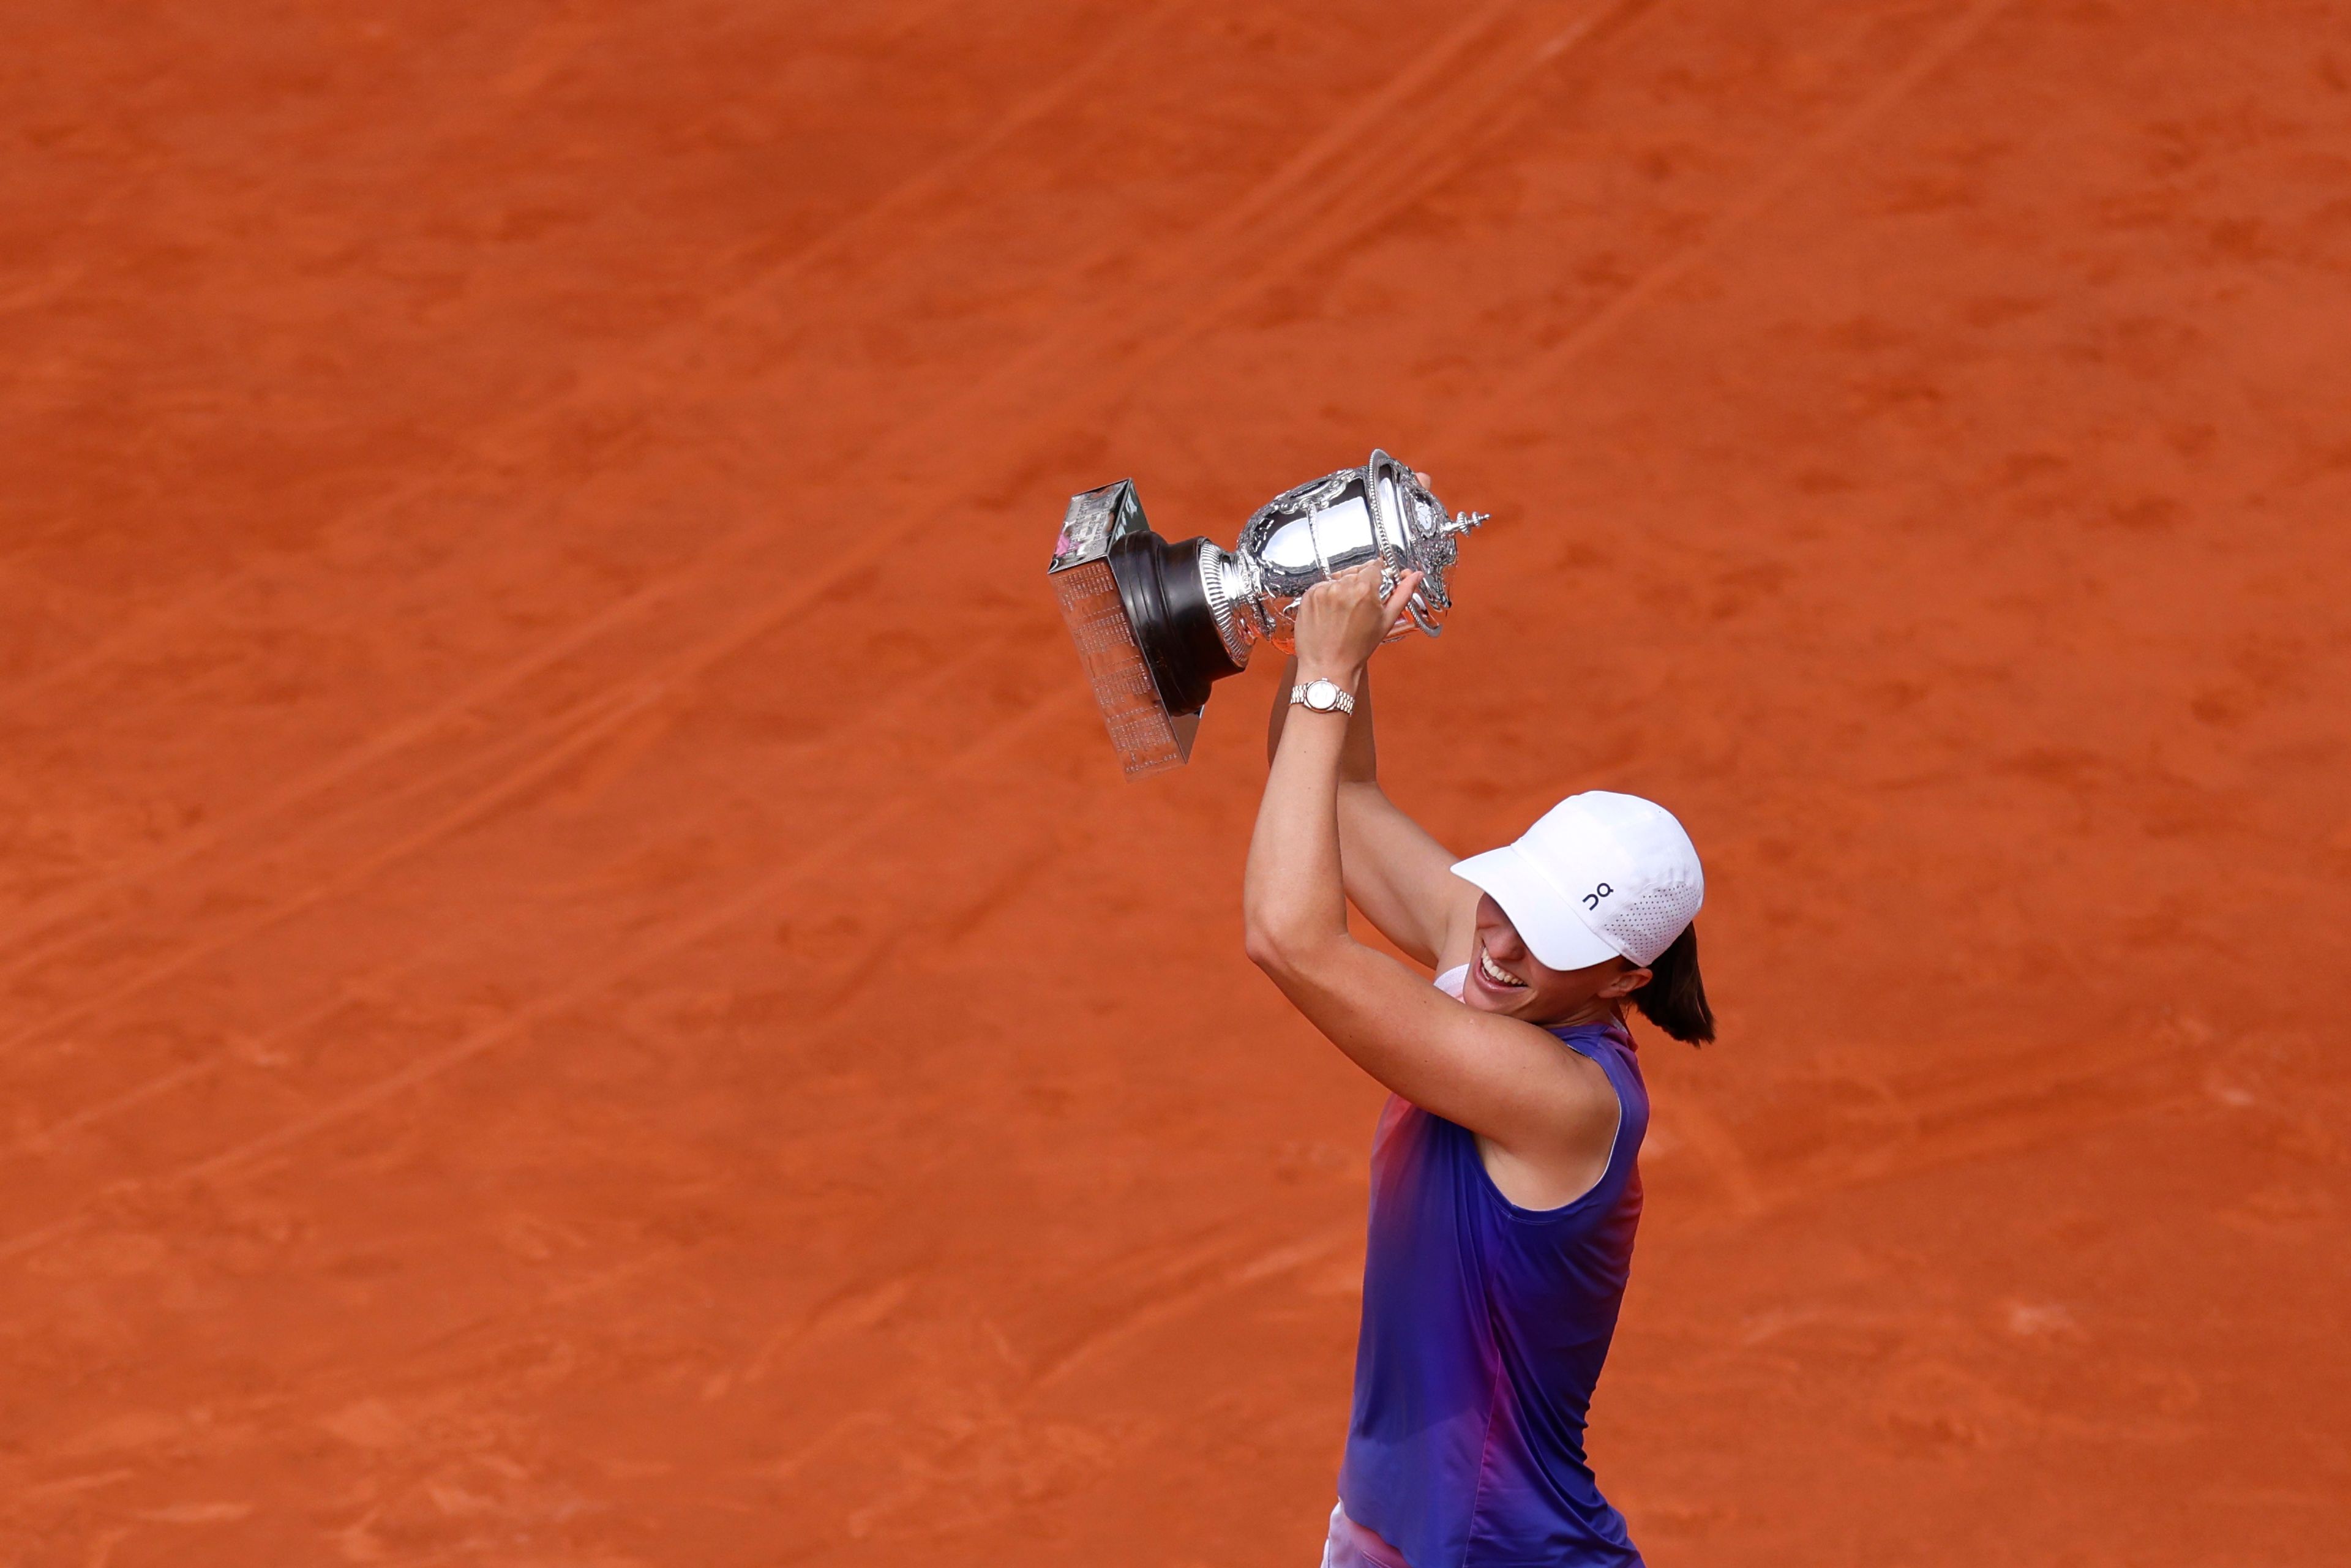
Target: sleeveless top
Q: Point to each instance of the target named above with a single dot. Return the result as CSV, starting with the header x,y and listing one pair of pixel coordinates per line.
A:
x,y
1484,1328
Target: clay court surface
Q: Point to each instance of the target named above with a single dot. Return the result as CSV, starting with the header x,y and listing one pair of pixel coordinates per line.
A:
x,y
578,985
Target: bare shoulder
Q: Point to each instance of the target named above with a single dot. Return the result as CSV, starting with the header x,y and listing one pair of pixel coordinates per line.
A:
x,y
1566,1154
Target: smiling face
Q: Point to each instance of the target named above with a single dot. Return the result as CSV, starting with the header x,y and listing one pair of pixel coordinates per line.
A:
x,y
1504,978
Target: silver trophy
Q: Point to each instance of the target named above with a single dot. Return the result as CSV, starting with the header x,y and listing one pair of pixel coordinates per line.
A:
x,y
1157,624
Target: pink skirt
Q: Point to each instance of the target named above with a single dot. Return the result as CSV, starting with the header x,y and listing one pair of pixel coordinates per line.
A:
x,y
1353,1546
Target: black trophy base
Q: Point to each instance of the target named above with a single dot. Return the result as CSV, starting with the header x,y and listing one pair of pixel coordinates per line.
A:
x,y
1167,609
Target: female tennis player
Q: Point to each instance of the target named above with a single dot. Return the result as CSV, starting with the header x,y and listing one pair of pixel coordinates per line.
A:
x,y
1505,1188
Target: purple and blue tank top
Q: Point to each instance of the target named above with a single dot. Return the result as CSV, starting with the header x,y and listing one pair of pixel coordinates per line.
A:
x,y
1485,1326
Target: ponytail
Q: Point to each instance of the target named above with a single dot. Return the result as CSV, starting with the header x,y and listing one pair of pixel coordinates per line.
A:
x,y
1675,997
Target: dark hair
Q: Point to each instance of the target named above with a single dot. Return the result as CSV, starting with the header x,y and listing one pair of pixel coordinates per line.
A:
x,y
1675,997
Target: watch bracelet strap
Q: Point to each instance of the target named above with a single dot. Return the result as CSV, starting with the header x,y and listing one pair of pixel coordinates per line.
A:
x,y
1346,703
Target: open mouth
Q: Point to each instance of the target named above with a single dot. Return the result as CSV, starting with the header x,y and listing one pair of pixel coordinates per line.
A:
x,y
1494,977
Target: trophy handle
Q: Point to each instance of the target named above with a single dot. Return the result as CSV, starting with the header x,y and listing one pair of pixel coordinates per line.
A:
x,y
1382,476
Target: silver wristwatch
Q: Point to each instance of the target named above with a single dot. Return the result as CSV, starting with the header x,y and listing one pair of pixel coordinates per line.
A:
x,y
1322,696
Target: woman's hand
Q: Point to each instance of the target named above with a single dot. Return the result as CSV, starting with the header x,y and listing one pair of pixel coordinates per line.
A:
x,y
1340,622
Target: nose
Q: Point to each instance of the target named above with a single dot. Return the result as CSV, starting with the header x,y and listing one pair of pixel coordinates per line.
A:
x,y
1502,941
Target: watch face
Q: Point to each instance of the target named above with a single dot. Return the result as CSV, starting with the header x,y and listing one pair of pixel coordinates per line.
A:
x,y
1321,695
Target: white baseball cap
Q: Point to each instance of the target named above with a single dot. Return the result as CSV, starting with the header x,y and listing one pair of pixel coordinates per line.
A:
x,y
1599,875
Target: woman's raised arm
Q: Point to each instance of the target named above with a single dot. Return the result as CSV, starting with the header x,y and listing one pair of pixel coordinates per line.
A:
x,y
1395,870
1498,1077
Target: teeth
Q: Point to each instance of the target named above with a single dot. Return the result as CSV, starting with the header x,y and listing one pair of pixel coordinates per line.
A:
x,y
1486,967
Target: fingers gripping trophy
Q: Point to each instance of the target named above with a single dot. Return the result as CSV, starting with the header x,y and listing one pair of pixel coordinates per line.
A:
x,y
1157,624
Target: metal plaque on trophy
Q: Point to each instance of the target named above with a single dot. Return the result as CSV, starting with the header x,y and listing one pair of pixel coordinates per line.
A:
x,y
1157,623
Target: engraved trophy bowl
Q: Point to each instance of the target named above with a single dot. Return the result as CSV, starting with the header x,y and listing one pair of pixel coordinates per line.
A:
x,y
1157,623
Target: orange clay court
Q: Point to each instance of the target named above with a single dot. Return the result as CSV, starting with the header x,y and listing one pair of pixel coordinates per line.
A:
x,y
581,985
